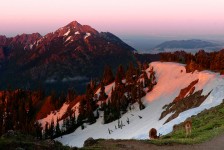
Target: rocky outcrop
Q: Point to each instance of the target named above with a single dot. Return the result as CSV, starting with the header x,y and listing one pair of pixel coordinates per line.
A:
x,y
184,102
188,90
89,142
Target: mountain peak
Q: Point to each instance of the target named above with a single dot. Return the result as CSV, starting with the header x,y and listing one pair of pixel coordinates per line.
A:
x,y
81,28
74,24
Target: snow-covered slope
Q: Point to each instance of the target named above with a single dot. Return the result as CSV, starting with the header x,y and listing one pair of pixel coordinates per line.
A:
x,y
171,78
54,115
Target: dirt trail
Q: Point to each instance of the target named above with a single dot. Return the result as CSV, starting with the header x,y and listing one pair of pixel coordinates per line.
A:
x,y
215,144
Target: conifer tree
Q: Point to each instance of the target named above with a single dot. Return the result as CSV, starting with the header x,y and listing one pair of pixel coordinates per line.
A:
x,y
72,120
107,75
90,104
8,119
63,126
46,132
102,96
82,111
67,125
133,94
118,78
39,129
71,94
90,115
140,94
51,129
31,111
57,129
130,74
146,79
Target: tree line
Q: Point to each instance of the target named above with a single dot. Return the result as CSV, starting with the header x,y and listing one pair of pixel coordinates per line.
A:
x,y
19,108
199,61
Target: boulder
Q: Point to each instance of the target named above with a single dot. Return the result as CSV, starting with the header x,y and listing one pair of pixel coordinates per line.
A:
x,y
89,142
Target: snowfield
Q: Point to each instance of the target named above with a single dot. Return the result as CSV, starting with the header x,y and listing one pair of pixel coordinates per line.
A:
x,y
171,78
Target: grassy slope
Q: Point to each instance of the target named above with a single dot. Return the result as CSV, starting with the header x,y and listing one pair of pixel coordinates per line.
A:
x,y
206,125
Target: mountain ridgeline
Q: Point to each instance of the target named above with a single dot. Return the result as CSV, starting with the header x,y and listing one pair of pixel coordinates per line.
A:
x,y
66,58
187,45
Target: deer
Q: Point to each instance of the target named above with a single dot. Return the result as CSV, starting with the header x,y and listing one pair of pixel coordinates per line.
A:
x,y
153,134
188,127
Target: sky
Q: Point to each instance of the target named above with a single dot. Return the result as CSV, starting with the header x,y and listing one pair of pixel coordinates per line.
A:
x,y
154,18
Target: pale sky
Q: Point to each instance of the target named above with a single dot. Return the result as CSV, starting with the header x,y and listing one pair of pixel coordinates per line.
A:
x,y
122,17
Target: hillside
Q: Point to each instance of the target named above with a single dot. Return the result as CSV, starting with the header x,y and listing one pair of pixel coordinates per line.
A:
x,y
171,78
186,45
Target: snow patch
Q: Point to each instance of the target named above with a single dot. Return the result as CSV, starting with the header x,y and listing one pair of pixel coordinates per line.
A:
x,y
66,34
31,46
87,35
77,32
69,38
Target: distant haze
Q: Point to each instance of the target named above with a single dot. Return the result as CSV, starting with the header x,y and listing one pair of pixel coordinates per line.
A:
x,y
125,18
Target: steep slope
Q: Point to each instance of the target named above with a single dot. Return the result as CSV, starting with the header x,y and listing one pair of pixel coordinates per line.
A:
x,y
171,78
69,56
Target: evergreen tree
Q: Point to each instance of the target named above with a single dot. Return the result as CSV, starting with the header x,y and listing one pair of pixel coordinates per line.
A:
x,y
70,122
39,129
140,94
8,120
146,79
82,111
73,120
46,132
31,111
63,125
51,129
130,74
124,103
102,96
90,104
133,94
57,129
90,116
92,84
118,78
67,125
107,75
71,95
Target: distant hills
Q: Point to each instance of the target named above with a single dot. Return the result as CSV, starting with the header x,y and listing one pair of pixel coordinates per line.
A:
x,y
187,45
68,57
